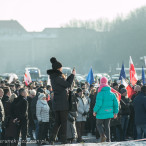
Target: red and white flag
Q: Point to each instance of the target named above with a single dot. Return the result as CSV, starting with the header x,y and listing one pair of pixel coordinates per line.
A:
x,y
27,78
133,75
130,90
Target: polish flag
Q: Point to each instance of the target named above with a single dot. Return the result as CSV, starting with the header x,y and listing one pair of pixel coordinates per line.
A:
x,y
130,90
27,78
133,75
114,91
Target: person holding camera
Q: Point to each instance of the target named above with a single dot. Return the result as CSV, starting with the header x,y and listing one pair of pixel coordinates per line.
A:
x,y
60,101
82,111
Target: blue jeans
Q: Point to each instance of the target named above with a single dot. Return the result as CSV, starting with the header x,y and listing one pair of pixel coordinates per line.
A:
x,y
124,124
140,130
36,128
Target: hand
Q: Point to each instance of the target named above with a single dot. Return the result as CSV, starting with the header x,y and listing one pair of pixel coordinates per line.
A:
x,y
14,120
115,116
74,72
94,114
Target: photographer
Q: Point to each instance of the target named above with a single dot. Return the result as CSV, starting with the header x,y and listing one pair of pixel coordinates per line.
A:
x,y
60,101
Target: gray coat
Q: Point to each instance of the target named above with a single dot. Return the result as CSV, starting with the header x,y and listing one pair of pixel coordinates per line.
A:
x,y
71,126
42,111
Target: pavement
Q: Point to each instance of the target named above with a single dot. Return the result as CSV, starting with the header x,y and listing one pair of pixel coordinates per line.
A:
x,y
92,141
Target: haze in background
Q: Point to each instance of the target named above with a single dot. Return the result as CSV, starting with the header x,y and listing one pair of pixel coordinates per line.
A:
x,y
35,15
86,38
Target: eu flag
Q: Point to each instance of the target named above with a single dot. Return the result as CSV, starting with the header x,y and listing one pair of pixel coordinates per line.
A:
x,y
90,77
122,74
143,76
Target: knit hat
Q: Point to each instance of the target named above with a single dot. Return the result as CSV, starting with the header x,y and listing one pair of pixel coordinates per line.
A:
x,y
115,84
123,90
55,64
103,83
104,80
41,96
40,90
79,90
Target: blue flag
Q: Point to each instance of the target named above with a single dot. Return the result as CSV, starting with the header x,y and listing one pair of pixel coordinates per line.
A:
x,y
143,76
122,74
90,77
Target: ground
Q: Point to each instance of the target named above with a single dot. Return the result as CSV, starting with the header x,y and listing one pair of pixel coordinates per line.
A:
x,y
92,141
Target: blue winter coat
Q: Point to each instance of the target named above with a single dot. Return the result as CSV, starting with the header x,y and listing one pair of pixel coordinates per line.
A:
x,y
106,104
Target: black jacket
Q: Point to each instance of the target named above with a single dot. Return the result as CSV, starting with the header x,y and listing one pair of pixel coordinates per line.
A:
x,y
125,106
33,107
139,104
60,85
5,99
20,108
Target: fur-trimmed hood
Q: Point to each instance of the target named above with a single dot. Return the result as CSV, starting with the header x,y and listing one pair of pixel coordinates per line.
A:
x,y
53,73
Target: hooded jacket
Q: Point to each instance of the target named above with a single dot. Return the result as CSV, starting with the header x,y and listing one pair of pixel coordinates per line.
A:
x,y
19,108
139,104
60,85
106,104
42,110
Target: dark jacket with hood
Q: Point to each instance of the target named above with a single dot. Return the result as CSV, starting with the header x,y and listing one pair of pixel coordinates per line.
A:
x,y
60,85
125,106
20,108
140,109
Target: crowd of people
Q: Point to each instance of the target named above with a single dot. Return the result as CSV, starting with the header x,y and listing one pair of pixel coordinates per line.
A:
x,y
65,111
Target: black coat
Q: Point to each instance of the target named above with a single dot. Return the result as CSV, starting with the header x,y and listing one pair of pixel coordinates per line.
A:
x,y
30,117
139,104
125,106
60,85
10,127
20,108
5,99
33,107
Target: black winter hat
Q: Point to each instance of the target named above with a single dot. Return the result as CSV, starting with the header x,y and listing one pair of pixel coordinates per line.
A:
x,y
115,84
123,90
55,64
79,90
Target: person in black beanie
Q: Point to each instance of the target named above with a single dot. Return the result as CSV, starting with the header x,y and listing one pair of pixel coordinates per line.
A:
x,y
60,103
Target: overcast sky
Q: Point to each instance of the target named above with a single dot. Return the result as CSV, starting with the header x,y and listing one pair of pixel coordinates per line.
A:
x,y
35,15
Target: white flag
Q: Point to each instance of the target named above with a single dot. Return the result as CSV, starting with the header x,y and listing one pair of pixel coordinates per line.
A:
x,y
49,81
